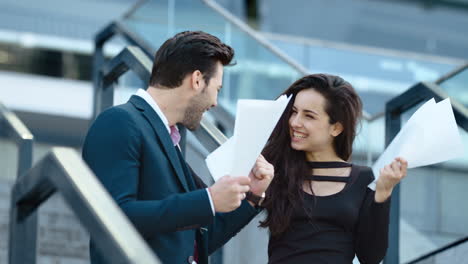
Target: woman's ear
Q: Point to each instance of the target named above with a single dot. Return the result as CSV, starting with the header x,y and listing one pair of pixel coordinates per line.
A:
x,y
336,129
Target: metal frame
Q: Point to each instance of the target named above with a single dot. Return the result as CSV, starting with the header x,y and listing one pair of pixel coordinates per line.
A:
x,y
21,246
115,28
418,93
131,58
64,171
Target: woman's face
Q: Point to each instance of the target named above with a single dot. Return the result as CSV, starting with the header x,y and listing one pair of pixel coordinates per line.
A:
x,y
309,125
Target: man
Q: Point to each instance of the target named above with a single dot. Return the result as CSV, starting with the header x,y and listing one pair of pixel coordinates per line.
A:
x,y
132,148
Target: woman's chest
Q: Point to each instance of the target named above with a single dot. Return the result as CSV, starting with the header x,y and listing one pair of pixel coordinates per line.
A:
x,y
341,209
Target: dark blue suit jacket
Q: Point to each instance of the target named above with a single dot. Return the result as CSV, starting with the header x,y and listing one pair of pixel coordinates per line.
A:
x,y
131,152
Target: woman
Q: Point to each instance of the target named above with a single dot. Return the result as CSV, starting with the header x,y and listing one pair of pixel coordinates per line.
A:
x,y
319,208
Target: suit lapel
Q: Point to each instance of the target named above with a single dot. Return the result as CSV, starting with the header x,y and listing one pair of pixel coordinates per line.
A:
x,y
163,136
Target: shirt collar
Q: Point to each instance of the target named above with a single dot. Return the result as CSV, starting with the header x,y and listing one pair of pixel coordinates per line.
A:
x,y
147,97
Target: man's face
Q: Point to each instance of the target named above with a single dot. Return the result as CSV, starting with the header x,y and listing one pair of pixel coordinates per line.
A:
x,y
204,100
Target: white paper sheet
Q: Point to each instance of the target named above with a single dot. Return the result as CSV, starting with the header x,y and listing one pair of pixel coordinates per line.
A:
x,y
255,121
430,136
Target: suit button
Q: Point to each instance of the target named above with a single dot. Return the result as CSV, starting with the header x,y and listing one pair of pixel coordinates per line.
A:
x,y
191,260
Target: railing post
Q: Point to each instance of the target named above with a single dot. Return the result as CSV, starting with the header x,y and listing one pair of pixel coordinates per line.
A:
x,y
22,241
393,125
23,235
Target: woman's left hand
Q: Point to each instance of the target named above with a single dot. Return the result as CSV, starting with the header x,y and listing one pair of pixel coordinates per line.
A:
x,y
390,176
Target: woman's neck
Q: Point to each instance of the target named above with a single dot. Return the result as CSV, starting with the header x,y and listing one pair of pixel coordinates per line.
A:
x,y
322,156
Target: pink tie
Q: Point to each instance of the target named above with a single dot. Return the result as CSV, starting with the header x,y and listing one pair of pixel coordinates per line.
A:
x,y
175,135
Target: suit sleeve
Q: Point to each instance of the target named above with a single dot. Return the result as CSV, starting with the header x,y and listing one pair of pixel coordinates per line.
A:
x,y
112,150
226,225
372,232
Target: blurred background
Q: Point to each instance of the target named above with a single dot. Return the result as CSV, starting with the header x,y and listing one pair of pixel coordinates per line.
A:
x,y
52,53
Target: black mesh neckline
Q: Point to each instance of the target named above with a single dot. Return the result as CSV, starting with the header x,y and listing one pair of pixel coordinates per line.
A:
x,y
328,165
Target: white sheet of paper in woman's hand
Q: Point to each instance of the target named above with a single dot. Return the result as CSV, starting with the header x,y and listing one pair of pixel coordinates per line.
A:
x,y
255,121
430,136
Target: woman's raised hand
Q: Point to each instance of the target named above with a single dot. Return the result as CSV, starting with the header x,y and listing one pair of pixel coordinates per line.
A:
x,y
390,176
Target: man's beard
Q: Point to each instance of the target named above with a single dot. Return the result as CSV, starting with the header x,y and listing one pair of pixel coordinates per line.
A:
x,y
194,112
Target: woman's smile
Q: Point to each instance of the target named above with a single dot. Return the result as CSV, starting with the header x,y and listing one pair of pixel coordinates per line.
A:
x,y
297,136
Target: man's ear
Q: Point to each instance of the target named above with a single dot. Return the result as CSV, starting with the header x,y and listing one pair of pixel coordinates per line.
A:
x,y
336,129
197,80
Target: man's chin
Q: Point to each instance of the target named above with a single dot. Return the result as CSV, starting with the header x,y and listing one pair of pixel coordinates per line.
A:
x,y
194,126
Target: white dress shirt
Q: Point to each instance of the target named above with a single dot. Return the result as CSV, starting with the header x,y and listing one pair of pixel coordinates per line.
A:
x,y
147,97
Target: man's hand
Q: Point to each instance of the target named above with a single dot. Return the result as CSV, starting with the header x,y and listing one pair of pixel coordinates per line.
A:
x,y
390,176
261,176
228,192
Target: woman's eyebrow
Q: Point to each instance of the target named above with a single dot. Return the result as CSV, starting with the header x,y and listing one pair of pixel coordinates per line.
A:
x,y
306,110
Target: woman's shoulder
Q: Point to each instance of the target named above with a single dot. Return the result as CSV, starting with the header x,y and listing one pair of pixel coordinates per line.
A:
x,y
364,173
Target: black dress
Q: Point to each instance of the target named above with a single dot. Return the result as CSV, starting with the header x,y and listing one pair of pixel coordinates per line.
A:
x,y
341,225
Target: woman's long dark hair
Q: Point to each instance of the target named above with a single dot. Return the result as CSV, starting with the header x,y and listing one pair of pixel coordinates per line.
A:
x,y
285,192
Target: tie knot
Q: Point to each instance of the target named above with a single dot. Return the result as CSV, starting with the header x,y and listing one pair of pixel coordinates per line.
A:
x,y
175,135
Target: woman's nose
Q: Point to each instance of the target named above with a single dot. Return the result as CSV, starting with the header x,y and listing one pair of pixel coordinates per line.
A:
x,y
296,121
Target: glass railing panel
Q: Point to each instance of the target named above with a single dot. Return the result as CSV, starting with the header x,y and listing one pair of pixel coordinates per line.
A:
x,y
369,142
457,87
259,72
127,85
377,75
432,208
8,159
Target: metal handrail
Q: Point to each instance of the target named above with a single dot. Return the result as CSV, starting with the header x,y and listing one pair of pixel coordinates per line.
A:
x,y
255,35
12,128
438,251
451,74
63,171
361,48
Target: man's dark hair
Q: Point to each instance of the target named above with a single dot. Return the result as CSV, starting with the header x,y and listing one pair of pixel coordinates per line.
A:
x,y
185,53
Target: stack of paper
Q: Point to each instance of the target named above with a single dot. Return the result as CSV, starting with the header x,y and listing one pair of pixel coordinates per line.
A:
x,y
255,121
430,136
